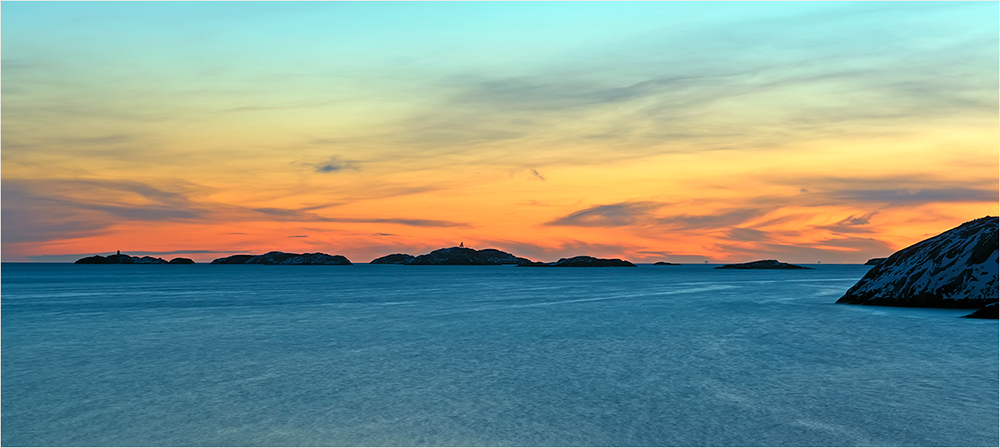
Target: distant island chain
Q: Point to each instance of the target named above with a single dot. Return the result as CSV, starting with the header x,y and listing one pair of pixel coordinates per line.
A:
x,y
956,269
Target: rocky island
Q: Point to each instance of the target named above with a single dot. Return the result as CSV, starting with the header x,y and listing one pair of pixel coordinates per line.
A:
x,y
393,259
956,269
464,256
283,258
664,263
120,258
580,262
762,264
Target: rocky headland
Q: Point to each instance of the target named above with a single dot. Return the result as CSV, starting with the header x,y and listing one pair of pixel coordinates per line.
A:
x,y
463,256
283,258
393,259
580,262
956,269
121,258
987,312
874,261
762,264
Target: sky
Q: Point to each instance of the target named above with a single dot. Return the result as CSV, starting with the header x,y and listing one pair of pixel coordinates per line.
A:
x,y
683,132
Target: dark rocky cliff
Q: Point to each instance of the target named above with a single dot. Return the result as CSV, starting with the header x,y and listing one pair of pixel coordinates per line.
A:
x,y
956,269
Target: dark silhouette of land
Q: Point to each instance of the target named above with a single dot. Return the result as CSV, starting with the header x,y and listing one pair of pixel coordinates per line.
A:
x,y
393,259
580,262
120,258
464,256
283,258
762,264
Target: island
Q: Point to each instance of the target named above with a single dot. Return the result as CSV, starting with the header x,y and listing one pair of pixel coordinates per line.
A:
x,y
286,259
582,261
956,269
874,261
120,258
664,263
762,264
393,259
464,256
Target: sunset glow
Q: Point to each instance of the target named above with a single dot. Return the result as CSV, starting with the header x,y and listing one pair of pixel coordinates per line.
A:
x,y
684,132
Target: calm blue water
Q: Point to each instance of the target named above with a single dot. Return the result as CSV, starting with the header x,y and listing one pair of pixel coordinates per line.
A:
x,y
442,355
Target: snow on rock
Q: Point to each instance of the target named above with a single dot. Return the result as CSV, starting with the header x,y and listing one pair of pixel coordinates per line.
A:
x,y
956,269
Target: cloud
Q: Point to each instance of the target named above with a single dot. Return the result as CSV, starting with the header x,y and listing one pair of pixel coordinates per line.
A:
x,y
537,175
41,210
914,196
611,215
721,219
743,234
852,224
333,165
304,216
298,236
53,209
642,213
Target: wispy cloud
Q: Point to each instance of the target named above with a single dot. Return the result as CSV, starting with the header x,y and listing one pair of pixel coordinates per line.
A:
x,y
904,196
610,215
334,164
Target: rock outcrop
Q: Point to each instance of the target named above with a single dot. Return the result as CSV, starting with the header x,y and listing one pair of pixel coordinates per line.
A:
x,y
282,258
466,256
987,312
762,264
180,260
664,263
393,259
874,261
580,262
120,258
956,269
233,259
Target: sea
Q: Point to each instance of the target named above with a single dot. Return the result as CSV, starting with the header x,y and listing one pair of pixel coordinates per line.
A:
x,y
386,355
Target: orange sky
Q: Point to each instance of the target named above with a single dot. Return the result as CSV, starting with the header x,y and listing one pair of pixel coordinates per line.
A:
x,y
641,131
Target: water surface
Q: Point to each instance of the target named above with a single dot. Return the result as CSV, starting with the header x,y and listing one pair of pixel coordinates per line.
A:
x,y
481,355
